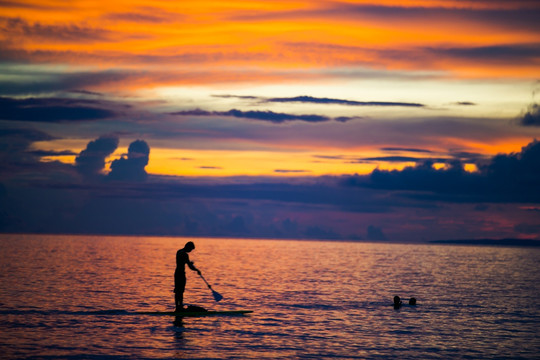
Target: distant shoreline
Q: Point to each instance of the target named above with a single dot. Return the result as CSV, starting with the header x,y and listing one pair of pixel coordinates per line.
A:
x,y
490,242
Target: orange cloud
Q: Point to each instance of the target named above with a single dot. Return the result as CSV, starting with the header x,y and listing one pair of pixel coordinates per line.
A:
x,y
276,35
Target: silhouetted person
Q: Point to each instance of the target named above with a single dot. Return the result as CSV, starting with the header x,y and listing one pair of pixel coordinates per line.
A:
x,y
397,302
412,301
182,259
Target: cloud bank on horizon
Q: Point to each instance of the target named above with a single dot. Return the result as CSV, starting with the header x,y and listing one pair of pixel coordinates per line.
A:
x,y
337,120
419,202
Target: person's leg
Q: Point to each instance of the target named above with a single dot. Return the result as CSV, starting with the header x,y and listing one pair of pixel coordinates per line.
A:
x,y
178,300
179,292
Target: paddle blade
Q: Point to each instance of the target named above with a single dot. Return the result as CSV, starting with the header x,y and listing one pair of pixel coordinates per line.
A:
x,y
217,296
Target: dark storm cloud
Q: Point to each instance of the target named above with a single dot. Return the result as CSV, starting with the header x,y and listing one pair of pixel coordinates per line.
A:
x,y
325,101
131,168
270,116
53,109
14,28
505,178
531,117
91,160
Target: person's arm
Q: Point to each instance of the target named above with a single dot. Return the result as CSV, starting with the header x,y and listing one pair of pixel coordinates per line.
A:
x,y
192,267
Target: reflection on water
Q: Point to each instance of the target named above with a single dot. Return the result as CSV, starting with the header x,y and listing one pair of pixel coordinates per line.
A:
x,y
69,296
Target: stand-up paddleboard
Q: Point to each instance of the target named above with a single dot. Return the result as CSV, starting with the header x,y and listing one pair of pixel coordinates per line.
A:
x,y
193,313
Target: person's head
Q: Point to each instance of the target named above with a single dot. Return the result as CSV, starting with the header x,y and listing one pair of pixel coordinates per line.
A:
x,y
189,246
397,300
412,301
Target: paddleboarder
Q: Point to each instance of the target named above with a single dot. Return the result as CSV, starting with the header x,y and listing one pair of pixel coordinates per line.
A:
x,y
182,259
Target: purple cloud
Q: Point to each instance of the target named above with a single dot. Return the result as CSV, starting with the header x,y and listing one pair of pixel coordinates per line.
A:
x,y
270,116
131,167
324,101
504,178
53,109
91,160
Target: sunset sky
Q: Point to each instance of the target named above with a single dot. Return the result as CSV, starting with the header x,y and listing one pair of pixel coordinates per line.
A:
x,y
370,120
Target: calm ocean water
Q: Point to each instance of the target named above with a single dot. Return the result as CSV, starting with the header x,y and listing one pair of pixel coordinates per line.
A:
x,y
67,296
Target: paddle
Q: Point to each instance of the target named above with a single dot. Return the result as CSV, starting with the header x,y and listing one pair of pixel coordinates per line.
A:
x,y
217,296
